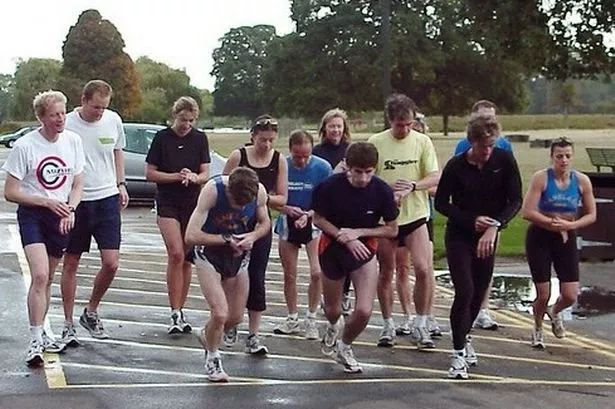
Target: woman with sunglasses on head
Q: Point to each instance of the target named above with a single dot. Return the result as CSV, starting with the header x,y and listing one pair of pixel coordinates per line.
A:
x,y
551,205
272,172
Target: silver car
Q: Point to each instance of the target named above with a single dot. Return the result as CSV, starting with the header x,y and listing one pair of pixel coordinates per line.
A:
x,y
138,139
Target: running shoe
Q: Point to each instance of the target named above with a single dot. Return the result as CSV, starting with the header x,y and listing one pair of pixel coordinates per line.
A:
x,y
458,368
91,321
387,335
255,347
69,335
289,326
345,356
485,321
311,330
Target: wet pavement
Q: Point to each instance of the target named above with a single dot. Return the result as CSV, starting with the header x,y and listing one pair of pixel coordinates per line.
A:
x,y
141,366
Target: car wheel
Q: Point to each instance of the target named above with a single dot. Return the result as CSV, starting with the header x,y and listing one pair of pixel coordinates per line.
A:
x,y
9,144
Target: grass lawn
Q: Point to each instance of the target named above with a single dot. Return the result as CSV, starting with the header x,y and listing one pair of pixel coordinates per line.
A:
x,y
529,159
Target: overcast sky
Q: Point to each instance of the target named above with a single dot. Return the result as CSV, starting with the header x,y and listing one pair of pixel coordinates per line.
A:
x,y
180,33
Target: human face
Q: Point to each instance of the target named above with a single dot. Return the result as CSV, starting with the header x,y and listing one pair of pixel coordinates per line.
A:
x,y
401,126
92,110
183,122
300,155
264,140
360,177
482,149
334,130
562,158
54,118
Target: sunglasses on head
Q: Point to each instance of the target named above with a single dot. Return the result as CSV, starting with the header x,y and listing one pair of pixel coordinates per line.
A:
x,y
266,123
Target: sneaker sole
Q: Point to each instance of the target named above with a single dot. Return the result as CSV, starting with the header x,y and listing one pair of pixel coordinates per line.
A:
x,y
56,350
92,333
538,346
400,332
221,379
327,352
353,370
187,329
386,343
280,332
35,361
457,375
73,343
260,352
174,330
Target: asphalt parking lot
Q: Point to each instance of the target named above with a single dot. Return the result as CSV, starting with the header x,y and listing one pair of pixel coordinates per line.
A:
x,y
140,366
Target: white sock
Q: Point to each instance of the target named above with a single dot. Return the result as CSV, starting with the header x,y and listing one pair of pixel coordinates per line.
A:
x,y
294,316
47,328
36,333
390,321
176,311
341,345
459,352
310,315
420,321
214,353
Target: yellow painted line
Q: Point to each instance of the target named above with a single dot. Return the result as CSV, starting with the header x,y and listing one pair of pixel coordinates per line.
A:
x,y
53,366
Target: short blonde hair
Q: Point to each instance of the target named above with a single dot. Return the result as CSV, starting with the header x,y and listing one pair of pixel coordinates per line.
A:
x,y
94,86
329,115
44,99
185,104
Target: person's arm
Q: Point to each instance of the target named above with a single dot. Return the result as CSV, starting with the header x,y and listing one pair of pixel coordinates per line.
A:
x,y
263,223
280,197
513,193
120,177
529,209
152,174
202,176
589,203
443,199
194,234
232,162
74,198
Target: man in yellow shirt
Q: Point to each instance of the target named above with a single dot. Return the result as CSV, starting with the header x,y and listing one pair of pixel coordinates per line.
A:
x,y
408,162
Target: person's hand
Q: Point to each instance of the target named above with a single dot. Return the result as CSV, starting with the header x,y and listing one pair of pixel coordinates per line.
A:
x,y
404,185
482,223
302,221
292,211
67,223
341,167
486,244
358,250
561,225
346,235
124,198
244,241
188,176
59,208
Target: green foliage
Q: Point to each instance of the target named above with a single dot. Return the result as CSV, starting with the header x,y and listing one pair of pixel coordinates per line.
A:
x,y
161,86
6,94
238,66
31,77
93,49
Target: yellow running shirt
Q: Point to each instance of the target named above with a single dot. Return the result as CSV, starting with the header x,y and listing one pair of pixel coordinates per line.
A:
x,y
410,159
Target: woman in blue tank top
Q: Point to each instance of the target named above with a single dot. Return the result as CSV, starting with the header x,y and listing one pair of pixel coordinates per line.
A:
x,y
552,205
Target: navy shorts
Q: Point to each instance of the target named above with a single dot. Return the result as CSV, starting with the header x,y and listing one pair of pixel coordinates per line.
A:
x,y
100,219
336,261
407,229
41,225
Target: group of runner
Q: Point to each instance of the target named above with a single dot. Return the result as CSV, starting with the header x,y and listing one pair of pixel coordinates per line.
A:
x,y
349,204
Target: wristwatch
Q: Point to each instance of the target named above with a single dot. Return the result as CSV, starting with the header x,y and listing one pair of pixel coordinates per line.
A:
x,y
227,238
71,208
413,184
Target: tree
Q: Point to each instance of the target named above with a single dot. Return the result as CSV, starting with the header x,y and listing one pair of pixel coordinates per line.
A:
x,y
238,66
6,95
161,85
31,77
93,49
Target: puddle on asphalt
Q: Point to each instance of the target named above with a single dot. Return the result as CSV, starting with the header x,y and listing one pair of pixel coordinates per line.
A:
x,y
517,292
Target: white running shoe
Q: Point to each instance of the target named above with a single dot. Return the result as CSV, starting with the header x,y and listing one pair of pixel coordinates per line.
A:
x,y
387,335
311,330
485,321
538,339
214,370
345,356
329,340
557,324
459,367
289,326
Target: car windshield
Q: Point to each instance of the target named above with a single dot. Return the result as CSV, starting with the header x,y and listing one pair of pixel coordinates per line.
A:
x,y
139,139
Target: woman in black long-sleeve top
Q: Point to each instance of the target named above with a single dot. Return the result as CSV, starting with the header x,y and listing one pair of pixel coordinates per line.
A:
x,y
479,192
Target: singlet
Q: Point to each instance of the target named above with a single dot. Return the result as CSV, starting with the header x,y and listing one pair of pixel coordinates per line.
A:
x,y
223,218
268,175
555,200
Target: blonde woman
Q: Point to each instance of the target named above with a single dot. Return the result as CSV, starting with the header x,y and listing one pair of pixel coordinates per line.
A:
x,y
178,162
45,178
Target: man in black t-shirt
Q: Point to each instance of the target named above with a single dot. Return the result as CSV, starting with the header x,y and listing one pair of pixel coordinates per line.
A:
x,y
348,208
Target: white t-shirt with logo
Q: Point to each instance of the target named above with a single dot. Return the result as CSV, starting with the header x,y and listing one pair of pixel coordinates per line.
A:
x,y
46,168
99,140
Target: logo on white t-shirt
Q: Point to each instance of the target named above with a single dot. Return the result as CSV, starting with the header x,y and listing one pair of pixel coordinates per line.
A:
x,y
52,172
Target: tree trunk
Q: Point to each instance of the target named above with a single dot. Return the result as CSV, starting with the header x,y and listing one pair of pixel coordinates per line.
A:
x,y
445,124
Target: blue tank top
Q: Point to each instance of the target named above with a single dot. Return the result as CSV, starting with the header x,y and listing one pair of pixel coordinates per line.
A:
x,y
222,218
555,200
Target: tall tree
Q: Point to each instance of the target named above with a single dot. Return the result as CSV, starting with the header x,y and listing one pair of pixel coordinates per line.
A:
x,y
31,77
161,85
93,49
238,66
6,95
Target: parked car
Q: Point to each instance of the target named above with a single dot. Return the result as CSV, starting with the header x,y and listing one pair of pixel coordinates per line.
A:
x,y
138,139
8,140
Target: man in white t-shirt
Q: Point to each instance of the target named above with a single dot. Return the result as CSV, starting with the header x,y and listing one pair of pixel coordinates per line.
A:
x,y
98,215
44,177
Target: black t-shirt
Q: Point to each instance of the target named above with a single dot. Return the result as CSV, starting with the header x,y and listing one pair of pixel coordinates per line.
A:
x,y
171,153
331,153
268,175
344,205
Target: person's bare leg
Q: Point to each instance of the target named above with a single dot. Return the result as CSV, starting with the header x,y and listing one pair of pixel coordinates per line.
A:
x,y
68,284
315,286
288,256
110,259
173,240
365,282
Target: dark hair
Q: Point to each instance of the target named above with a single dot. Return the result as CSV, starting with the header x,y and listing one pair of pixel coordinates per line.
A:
x,y
483,103
561,142
399,106
94,86
264,123
243,185
299,137
482,127
361,155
